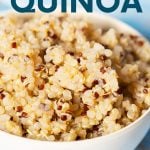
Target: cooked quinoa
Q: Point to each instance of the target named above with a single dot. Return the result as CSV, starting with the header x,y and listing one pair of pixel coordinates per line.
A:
x,y
63,79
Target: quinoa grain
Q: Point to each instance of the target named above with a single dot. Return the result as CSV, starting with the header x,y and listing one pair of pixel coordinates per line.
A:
x,y
58,82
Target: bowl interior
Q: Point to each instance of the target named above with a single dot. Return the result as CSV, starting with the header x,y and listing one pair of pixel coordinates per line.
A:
x,y
103,21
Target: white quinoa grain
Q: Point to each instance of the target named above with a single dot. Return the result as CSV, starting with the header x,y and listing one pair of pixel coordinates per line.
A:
x,y
63,79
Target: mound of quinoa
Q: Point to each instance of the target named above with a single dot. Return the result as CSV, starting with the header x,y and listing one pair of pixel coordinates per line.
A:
x,y
63,79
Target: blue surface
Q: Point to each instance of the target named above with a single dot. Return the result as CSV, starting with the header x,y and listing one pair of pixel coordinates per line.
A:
x,y
139,21
145,144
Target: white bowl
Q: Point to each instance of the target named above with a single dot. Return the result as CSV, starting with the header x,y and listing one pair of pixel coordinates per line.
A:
x,y
125,139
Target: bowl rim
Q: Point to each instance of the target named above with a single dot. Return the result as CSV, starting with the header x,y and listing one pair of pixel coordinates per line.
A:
x,y
99,138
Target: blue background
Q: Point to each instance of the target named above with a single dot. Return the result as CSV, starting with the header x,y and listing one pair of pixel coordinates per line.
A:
x,y
140,21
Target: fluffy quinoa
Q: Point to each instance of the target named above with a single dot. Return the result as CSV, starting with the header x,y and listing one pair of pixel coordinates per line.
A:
x,y
63,79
